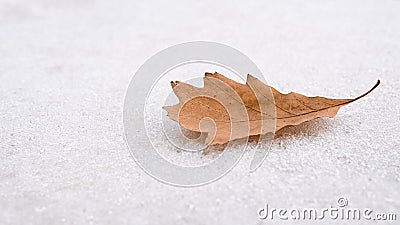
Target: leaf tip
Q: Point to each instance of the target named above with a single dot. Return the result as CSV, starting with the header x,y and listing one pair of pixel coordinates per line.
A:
x,y
166,108
174,83
207,74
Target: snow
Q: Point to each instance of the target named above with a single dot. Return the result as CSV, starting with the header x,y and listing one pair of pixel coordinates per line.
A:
x,y
65,67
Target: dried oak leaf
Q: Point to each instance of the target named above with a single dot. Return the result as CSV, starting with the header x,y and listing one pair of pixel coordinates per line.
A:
x,y
228,110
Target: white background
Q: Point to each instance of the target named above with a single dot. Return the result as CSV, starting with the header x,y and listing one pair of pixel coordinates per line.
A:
x,y
65,66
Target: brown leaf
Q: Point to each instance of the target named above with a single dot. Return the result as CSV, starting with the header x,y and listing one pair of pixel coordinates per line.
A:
x,y
228,110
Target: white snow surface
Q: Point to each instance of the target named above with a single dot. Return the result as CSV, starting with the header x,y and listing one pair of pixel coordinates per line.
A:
x,y
65,66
